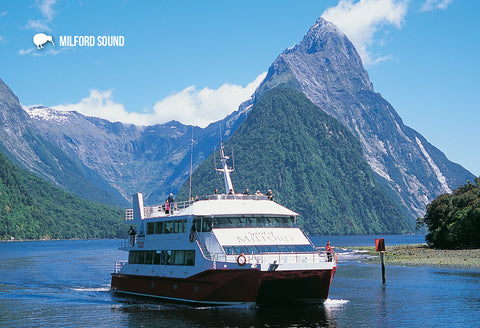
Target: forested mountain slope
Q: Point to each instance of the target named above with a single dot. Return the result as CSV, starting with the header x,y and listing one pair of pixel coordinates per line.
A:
x,y
312,163
31,208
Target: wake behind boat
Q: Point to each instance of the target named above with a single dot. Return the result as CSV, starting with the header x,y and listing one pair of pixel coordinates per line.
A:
x,y
224,249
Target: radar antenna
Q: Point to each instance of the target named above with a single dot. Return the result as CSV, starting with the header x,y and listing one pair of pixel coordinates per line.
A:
x,y
226,171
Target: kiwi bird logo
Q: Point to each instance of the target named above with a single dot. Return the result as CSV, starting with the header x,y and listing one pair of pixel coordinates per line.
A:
x,y
41,38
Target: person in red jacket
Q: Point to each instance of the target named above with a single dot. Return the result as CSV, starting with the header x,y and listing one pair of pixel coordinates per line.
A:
x,y
328,248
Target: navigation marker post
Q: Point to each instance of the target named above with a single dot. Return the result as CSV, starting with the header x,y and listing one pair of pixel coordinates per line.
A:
x,y
380,247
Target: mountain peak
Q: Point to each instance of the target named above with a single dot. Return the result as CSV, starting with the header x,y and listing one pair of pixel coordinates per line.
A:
x,y
324,63
43,113
320,36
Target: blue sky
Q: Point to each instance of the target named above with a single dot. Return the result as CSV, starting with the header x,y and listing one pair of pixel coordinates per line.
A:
x,y
195,61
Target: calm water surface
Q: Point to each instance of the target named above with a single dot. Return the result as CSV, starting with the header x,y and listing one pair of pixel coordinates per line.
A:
x,y
66,284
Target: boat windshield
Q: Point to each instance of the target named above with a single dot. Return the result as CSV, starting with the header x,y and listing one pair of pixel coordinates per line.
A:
x,y
203,224
265,249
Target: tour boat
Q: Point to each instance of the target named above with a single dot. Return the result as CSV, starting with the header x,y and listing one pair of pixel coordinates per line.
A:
x,y
222,249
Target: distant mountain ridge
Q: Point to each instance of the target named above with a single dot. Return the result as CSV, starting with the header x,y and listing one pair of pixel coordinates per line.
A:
x,y
109,161
153,159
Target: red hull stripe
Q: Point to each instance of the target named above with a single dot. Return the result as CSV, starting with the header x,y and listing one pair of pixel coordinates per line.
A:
x,y
223,287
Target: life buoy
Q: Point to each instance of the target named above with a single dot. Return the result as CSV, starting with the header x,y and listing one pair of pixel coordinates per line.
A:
x,y
241,260
191,237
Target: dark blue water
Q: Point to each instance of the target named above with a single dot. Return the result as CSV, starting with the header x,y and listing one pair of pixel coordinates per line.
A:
x,y
66,284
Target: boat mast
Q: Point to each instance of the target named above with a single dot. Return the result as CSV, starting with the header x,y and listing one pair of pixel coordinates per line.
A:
x,y
226,171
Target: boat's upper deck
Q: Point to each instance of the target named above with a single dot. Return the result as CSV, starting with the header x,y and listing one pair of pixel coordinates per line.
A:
x,y
219,205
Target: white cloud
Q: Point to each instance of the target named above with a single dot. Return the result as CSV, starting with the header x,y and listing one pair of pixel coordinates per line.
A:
x,y
43,52
189,106
201,107
26,51
37,25
101,104
429,5
46,7
360,20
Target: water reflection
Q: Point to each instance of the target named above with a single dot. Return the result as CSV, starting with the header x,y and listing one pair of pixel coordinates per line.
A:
x,y
138,313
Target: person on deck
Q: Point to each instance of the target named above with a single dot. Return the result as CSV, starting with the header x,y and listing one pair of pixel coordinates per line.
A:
x,y
328,248
171,201
167,206
269,194
132,233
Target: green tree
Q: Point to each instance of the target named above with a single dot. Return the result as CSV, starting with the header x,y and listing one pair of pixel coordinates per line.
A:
x,y
453,220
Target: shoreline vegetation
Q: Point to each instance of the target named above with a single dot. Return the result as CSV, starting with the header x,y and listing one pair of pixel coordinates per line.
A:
x,y
421,255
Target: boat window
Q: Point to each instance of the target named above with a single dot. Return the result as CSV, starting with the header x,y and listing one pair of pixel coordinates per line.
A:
x,y
150,228
164,257
159,227
262,249
229,250
179,257
190,257
140,258
304,248
169,257
156,257
132,257
249,222
250,250
197,224
266,249
292,248
272,249
309,248
148,257
184,225
239,249
207,225
168,227
236,222
176,226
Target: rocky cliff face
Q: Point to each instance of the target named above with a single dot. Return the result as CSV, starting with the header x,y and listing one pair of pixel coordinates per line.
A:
x,y
327,69
22,142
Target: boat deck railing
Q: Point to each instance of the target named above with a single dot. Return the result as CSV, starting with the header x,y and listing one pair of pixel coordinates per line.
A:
x,y
159,210
119,265
280,258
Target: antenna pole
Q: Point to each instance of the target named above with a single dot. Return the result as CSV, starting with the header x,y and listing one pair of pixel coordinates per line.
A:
x,y
226,171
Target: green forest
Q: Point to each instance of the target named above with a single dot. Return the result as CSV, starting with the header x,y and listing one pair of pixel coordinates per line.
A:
x,y
31,208
313,165
453,220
